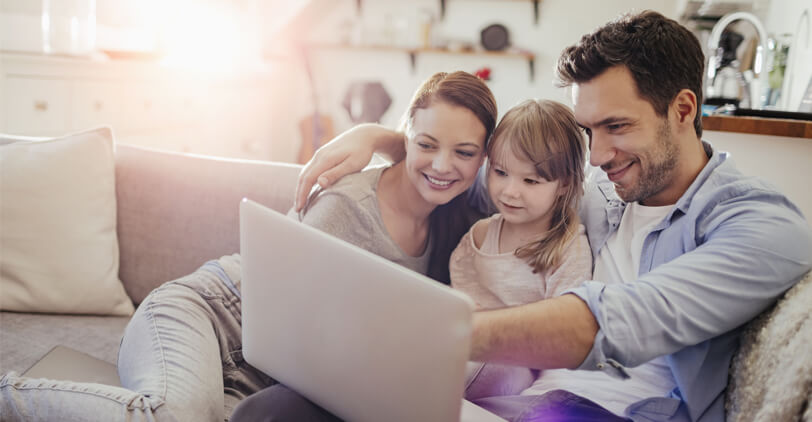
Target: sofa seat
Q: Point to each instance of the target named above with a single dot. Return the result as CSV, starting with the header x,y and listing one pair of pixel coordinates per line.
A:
x,y
27,337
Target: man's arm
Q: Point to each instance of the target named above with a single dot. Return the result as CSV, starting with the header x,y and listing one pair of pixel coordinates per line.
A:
x,y
348,153
748,258
552,333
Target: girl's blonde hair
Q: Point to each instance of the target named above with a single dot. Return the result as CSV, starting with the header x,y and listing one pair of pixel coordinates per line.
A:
x,y
545,133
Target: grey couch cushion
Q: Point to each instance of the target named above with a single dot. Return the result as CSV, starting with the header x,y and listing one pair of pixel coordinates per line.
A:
x,y
25,338
772,372
177,211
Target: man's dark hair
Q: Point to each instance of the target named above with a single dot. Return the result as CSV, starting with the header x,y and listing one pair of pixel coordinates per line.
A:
x,y
663,57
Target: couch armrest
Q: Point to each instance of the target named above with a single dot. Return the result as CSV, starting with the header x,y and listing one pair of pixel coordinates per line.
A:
x,y
176,211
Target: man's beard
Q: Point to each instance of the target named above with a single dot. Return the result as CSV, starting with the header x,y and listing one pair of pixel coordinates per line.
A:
x,y
657,173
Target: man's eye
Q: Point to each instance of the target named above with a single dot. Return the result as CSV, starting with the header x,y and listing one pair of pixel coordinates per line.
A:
x,y
616,126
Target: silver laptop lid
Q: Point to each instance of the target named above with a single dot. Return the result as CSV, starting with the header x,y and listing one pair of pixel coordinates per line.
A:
x,y
363,337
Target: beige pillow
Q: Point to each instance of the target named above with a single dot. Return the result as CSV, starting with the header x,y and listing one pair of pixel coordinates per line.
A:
x,y
58,244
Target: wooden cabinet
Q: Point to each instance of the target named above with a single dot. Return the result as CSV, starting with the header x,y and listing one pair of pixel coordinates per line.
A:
x,y
144,102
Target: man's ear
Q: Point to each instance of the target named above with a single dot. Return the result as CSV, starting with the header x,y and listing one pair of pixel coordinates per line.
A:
x,y
685,108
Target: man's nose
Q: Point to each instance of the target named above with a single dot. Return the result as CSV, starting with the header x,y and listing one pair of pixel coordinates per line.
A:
x,y
600,150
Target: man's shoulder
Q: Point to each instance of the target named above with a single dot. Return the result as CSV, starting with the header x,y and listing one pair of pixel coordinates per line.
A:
x,y
726,184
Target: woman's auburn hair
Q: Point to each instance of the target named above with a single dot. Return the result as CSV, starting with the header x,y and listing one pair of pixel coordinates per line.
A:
x,y
545,133
460,89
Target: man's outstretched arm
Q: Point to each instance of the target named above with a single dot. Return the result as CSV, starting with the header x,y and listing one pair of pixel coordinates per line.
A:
x,y
348,153
552,333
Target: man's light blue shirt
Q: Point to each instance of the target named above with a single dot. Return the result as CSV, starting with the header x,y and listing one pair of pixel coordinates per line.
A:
x,y
729,248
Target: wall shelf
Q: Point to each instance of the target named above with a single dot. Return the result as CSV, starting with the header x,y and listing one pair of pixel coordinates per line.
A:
x,y
535,10
359,3
414,52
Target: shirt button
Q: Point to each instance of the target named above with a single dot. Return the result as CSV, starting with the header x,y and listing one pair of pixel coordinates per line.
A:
x,y
600,365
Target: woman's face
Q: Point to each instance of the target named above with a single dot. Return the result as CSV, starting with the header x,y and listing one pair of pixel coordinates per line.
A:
x,y
444,149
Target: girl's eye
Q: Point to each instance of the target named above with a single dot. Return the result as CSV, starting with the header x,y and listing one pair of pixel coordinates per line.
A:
x,y
499,172
531,181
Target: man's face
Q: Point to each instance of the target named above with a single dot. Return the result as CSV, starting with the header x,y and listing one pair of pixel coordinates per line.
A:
x,y
627,139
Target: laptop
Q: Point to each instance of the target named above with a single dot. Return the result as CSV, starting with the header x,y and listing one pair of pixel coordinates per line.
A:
x,y
65,363
365,338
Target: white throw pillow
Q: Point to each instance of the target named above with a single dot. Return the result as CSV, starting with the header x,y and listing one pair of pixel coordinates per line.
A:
x,y
58,243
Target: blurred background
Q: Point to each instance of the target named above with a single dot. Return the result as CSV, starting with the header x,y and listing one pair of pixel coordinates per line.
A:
x,y
272,80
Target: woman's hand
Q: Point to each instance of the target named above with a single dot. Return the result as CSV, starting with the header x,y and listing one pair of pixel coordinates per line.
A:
x,y
347,153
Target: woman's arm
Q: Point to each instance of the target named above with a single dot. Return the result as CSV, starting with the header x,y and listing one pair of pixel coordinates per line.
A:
x,y
348,153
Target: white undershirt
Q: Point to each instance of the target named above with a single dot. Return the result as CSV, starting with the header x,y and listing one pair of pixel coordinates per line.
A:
x,y
617,262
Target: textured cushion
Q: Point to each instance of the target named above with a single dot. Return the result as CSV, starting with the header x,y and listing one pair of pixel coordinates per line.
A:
x,y
58,226
177,211
25,338
772,372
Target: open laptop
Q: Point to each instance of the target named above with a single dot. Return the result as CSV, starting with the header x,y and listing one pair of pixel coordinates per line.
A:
x,y
365,338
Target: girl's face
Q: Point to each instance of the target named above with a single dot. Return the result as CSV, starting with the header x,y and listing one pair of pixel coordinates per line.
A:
x,y
444,150
521,195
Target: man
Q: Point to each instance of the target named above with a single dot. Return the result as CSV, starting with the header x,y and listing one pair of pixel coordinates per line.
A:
x,y
686,248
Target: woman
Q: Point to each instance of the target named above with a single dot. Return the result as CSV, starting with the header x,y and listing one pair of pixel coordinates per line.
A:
x,y
182,349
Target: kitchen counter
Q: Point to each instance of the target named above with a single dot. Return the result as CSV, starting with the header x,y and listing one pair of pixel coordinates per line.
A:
x,y
759,126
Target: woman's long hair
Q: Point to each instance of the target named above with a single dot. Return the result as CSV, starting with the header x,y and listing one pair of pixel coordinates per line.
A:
x,y
450,221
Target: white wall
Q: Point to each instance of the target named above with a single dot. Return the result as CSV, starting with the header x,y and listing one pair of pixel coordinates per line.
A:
x,y
780,160
561,23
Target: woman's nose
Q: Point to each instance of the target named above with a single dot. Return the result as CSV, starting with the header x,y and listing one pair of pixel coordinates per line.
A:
x,y
441,162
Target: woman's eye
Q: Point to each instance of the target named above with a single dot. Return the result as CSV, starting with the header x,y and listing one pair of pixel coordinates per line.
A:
x,y
424,145
466,154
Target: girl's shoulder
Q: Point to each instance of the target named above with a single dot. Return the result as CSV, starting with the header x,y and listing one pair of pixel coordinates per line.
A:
x,y
480,229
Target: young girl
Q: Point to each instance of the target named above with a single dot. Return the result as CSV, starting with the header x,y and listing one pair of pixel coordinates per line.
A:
x,y
534,248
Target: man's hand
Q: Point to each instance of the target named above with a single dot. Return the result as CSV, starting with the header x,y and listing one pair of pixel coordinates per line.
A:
x,y
347,153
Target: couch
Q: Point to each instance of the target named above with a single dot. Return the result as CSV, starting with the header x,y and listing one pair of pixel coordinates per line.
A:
x,y
176,211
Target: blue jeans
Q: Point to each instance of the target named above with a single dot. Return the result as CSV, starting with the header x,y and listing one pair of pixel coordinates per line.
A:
x,y
180,360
